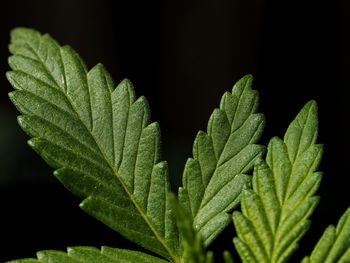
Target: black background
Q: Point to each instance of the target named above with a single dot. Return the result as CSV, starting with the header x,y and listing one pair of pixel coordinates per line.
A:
x,y
182,55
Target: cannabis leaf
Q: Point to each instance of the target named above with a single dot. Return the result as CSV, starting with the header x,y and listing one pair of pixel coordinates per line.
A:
x,y
91,255
193,250
334,245
214,178
100,140
275,213
97,137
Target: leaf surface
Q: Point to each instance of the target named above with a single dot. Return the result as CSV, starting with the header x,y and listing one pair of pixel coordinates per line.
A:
x,y
334,245
216,175
97,136
275,213
193,250
91,255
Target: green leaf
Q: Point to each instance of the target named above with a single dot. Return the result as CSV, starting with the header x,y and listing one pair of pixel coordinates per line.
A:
x,y
216,175
98,138
227,257
334,245
275,213
91,255
192,246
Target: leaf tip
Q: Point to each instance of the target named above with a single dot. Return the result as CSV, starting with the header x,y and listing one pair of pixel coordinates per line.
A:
x,y
126,82
22,32
312,104
9,75
11,95
98,67
247,77
21,121
242,84
33,142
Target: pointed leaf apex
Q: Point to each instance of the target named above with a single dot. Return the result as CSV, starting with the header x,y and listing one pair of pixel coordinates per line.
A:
x,y
312,103
242,84
20,32
98,66
126,82
33,142
311,107
9,75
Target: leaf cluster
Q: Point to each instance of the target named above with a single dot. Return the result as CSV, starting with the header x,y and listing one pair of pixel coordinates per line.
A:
x,y
99,139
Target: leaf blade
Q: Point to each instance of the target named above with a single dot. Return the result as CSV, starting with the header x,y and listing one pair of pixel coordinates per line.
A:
x,y
98,134
225,151
334,245
276,212
91,255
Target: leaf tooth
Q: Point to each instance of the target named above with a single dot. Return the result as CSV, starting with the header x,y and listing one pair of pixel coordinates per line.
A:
x,y
245,252
343,221
171,231
32,104
247,105
158,191
131,225
20,36
146,111
213,227
292,229
28,83
219,130
51,256
264,186
89,255
227,257
223,201
37,127
290,243
239,164
345,257
126,86
122,99
247,235
306,163
77,90
26,260
228,104
125,255
43,50
324,245
184,198
306,190
195,188
26,65
246,134
203,151
58,156
300,213
148,156
278,161
135,125
241,103
302,132
100,86
254,209
342,241
306,260
245,83
84,185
